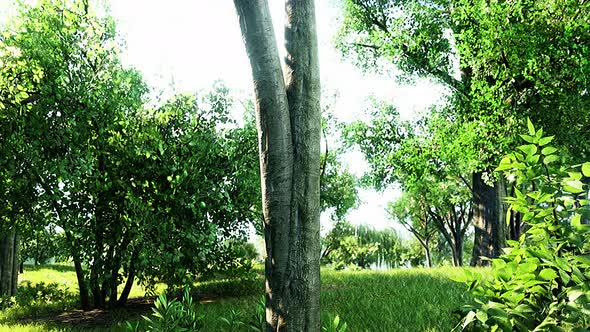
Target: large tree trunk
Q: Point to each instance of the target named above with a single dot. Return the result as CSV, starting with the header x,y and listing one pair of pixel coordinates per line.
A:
x,y
288,120
9,264
488,219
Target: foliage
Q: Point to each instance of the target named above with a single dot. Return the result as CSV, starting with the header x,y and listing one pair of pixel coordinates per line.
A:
x,y
41,245
118,179
421,158
338,191
542,281
335,325
171,316
500,62
360,246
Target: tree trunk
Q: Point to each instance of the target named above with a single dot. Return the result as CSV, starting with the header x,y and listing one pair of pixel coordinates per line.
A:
x,y
515,222
82,286
9,264
428,256
488,220
130,279
457,251
288,121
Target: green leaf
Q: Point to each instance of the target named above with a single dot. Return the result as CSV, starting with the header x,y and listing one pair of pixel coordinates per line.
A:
x,y
573,186
575,175
468,319
529,139
532,130
545,140
527,267
549,150
586,169
529,149
548,274
576,221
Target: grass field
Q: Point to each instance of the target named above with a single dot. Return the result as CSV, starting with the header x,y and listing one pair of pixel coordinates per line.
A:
x,y
396,300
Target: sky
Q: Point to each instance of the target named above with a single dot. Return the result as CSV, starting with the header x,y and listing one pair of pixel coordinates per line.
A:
x,y
189,44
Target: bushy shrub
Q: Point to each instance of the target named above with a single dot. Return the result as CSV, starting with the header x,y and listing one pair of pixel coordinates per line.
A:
x,y
542,282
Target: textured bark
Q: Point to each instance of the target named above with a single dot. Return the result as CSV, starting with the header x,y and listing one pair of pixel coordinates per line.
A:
x,y
488,219
288,120
9,264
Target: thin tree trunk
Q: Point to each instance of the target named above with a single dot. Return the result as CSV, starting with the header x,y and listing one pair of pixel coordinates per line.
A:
x,y
82,287
459,251
488,213
130,279
288,121
428,255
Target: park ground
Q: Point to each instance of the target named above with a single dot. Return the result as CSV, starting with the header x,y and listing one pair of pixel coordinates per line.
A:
x,y
396,300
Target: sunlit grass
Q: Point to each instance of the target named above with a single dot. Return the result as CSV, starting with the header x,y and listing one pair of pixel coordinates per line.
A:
x,y
396,300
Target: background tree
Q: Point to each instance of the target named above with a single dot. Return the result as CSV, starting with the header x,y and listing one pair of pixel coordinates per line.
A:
x,y
421,157
288,121
361,246
411,213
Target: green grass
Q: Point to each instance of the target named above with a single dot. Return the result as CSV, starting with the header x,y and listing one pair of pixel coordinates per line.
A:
x,y
396,300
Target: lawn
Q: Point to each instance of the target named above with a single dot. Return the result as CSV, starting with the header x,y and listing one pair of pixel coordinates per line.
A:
x,y
396,300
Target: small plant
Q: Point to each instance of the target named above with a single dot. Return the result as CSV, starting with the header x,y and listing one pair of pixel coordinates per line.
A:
x,y
542,282
171,316
234,321
335,325
256,323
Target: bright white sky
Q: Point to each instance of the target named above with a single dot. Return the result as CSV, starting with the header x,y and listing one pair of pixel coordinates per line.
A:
x,y
191,43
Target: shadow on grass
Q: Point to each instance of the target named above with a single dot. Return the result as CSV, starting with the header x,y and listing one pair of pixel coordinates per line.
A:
x,y
48,306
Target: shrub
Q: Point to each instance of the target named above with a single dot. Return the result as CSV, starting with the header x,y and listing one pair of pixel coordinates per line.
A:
x,y
542,281
171,316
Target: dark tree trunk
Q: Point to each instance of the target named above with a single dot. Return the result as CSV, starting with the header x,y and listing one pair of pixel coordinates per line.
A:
x,y
515,225
515,222
130,279
458,251
9,264
488,220
82,286
288,121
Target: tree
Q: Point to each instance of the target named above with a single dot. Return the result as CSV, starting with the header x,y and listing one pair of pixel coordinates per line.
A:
x,y
118,179
361,246
412,214
421,157
502,77
288,121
